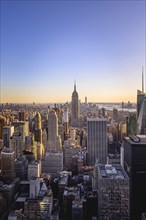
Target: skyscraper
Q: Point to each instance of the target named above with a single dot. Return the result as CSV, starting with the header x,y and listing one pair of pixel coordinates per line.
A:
x,y
16,144
65,123
140,96
22,116
75,108
141,122
115,115
2,124
135,166
38,128
7,164
52,163
6,135
113,193
141,109
97,140
54,140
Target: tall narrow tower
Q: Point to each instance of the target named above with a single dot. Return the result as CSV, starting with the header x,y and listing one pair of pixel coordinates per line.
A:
x,y
52,127
7,164
2,125
38,128
141,109
97,140
75,108
141,95
54,140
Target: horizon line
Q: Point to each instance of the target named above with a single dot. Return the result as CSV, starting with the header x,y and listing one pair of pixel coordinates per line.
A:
x,y
65,102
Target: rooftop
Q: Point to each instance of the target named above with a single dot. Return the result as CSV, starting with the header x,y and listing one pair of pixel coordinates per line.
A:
x,y
96,119
21,199
109,171
6,187
63,180
136,139
71,191
33,162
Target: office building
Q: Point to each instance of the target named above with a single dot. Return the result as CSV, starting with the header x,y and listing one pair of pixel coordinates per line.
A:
x,y
39,208
103,112
73,204
38,128
113,193
1,143
34,187
6,135
95,177
65,123
17,144
34,169
21,167
135,166
86,100
140,96
7,164
122,130
115,115
21,127
22,116
2,124
97,140
72,133
69,150
132,124
141,122
29,140
54,140
52,163
7,193
37,149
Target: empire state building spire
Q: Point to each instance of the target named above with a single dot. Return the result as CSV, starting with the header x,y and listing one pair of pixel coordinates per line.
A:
x,y
75,85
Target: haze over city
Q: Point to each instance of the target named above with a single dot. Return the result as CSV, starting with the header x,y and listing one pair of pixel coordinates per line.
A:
x,y
46,45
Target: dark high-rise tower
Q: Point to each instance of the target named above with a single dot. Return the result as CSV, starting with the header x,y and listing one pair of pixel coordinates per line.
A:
x,y
7,164
75,108
2,124
97,140
135,166
22,116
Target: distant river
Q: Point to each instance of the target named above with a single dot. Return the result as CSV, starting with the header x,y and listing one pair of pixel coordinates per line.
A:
x,y
109,106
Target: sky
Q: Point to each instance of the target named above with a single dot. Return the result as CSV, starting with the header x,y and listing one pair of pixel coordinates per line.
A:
x,y
47,45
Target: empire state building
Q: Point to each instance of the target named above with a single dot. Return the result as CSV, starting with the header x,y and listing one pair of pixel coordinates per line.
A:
x,y
75,108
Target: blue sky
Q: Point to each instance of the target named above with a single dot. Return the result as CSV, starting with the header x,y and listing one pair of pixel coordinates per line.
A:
x,y
45,45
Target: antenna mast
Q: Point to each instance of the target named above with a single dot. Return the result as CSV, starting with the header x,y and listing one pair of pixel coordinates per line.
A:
x,y
142,81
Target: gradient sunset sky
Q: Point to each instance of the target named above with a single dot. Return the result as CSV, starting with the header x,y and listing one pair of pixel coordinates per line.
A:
x,y
46,45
